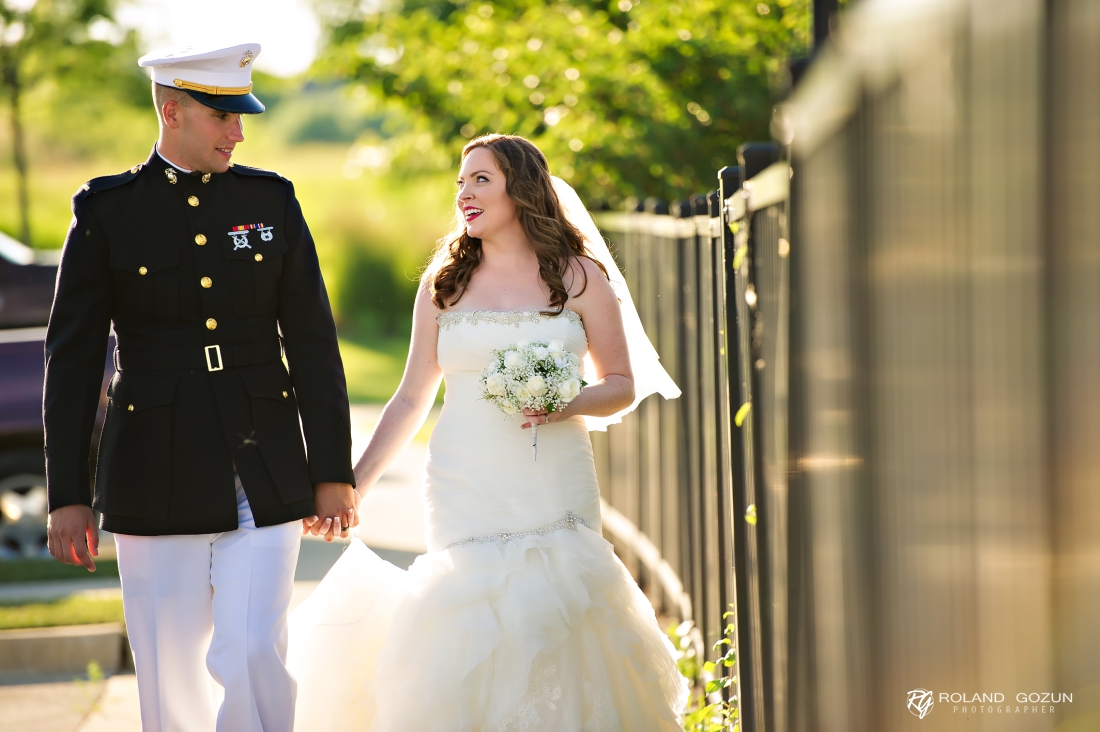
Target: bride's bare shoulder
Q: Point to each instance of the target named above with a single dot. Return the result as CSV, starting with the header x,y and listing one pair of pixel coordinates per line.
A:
x,y
424,308
585,276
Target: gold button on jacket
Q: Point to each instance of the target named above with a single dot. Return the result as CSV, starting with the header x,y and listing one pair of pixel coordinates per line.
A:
x,y
259,257
211,324
193,200
142,270
200,239
206,282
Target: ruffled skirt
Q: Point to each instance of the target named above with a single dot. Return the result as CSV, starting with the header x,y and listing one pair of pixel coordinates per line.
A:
x,y
545,632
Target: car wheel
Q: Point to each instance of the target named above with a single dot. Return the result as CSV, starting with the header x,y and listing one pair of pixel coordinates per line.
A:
x,y
24,509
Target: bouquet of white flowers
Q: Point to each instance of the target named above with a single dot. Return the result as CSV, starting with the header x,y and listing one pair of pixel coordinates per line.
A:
x,y
538,375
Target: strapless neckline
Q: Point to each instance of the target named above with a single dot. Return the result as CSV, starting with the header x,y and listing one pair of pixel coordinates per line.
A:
x,y
502,317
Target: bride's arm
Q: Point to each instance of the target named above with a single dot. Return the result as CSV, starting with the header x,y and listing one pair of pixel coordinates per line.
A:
x,y
408,408
603,324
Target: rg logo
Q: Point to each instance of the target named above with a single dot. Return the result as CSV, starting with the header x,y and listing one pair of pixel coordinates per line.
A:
x,y
920,702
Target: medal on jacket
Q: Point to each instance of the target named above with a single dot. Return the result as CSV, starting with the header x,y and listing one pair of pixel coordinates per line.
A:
x,y
240,235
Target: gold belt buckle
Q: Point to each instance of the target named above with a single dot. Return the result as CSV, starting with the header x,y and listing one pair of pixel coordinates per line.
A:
x,y
218,353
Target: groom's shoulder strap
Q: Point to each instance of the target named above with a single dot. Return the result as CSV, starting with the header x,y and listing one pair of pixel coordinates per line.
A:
x,y
105,183
248,170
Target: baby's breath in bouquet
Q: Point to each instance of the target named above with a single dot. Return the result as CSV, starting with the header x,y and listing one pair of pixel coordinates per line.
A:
x,y
539,375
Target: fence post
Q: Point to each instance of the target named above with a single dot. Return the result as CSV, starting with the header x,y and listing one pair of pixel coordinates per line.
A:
x,y
743,511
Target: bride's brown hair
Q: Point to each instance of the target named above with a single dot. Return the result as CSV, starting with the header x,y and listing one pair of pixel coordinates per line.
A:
x,y
555,241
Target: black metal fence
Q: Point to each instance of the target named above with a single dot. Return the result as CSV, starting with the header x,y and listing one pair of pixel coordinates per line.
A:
x,y
887,331
664,469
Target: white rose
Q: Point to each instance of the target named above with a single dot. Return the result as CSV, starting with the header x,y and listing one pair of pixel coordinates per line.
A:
x,y
540,352
512,360
569,389
495,385
523,395
561,362
557,347
536,385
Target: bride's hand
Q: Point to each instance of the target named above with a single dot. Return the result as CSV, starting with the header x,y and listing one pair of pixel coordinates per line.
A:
x,y
540,418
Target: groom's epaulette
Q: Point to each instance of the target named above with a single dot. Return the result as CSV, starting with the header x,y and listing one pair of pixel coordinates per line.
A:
x,y
248,170
105,183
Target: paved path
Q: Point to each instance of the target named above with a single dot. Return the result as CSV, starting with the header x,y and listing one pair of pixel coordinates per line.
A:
x,y
392,524
392,512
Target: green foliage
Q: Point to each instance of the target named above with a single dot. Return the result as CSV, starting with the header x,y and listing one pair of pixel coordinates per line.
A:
x,y
90,688
625,98
373,365
713,703
61,49
38,570
76,610
330,114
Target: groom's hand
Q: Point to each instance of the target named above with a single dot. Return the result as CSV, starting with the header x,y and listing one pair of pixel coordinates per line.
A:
x,y
335,505
72,536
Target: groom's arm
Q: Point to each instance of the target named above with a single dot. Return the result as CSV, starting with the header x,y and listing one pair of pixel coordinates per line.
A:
x,y
75,349
313,354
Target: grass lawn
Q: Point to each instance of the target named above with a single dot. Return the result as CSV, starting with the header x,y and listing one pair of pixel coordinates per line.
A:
x,y
69,611
373,367
38,570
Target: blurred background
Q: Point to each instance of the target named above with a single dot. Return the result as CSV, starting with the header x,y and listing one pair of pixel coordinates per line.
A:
x,y
862,236
369,104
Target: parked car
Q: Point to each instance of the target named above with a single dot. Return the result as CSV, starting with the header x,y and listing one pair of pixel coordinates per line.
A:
x,y
26,293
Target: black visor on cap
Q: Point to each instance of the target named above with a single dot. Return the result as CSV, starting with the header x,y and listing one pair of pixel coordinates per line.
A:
x,y
236,103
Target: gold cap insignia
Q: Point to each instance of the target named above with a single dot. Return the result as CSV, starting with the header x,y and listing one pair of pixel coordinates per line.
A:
x,y
247,59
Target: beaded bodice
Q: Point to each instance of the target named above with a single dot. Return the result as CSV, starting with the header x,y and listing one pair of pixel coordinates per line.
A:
x,y
501,317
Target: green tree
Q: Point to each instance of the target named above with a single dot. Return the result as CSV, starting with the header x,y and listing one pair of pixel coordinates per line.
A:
x,y
628,97
65,41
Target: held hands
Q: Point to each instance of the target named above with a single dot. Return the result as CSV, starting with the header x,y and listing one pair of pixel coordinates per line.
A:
x,y
337,507
73,537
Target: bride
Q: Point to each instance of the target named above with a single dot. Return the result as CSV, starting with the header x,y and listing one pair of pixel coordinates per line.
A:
x,y
520,616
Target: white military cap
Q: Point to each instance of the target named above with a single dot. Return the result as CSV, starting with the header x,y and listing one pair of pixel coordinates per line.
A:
x,y
220,77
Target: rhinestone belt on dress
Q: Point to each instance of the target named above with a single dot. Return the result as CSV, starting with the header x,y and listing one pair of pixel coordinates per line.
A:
x,y
569,522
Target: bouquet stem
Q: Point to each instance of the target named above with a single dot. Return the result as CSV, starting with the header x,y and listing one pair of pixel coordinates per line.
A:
x,y
535,442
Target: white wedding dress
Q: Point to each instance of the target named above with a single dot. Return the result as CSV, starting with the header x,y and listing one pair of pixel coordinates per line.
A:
x,y
520,616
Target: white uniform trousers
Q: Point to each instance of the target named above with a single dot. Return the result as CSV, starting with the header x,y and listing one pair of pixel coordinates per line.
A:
x,y
206,617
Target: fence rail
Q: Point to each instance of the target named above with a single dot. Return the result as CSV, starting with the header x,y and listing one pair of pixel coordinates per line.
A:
x,y
885,329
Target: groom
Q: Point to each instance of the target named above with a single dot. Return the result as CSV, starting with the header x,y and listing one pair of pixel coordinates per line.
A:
x,y
208,273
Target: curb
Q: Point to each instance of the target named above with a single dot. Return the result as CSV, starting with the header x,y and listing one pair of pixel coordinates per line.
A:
x,y
67,649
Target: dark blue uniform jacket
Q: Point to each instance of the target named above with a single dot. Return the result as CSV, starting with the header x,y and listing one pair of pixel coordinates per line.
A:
x,y
199,275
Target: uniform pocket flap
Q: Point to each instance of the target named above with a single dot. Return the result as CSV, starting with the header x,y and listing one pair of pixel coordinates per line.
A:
x,y
146,258
141,391
269,382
